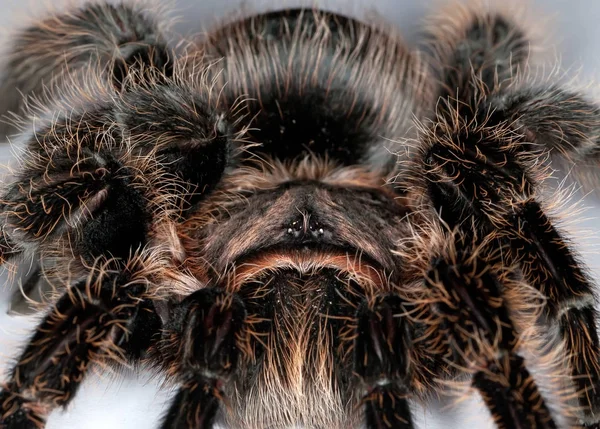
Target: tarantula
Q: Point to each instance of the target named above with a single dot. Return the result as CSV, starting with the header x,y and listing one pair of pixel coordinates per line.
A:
x,y
296,219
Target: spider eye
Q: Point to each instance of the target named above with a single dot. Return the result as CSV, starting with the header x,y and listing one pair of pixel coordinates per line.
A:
x,y
308,229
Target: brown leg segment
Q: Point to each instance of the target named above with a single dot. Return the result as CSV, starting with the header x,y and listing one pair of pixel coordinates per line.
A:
x,y
381,360
88,325
471,314
199,345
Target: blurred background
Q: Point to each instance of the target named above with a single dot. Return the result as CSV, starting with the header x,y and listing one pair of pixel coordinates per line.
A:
x,y
134,400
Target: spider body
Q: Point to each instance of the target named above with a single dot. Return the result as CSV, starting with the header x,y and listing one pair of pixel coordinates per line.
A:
x,y
259,219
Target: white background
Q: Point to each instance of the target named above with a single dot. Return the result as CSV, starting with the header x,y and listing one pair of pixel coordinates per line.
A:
x,y
131,401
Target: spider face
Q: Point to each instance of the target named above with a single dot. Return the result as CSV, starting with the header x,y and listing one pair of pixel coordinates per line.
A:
x,y
297,221
332,211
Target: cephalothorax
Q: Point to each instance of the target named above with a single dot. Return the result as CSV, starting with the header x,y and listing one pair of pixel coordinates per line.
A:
x,y
296,219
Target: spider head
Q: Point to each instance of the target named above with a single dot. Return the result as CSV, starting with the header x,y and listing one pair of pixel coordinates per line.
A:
x,y
293,215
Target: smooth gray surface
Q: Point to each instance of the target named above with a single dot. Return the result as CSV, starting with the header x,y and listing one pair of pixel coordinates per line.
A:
x,y
135,401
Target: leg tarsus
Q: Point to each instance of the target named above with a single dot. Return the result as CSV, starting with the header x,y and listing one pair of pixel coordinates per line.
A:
x,y
16,413
387,408
194,406
381,360
578,328
503,386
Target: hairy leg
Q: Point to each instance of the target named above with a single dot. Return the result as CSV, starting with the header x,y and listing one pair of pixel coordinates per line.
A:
x,y
89,325
470,315
474,50
112,39
485,185
484,158
199,347
381,360
96,181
